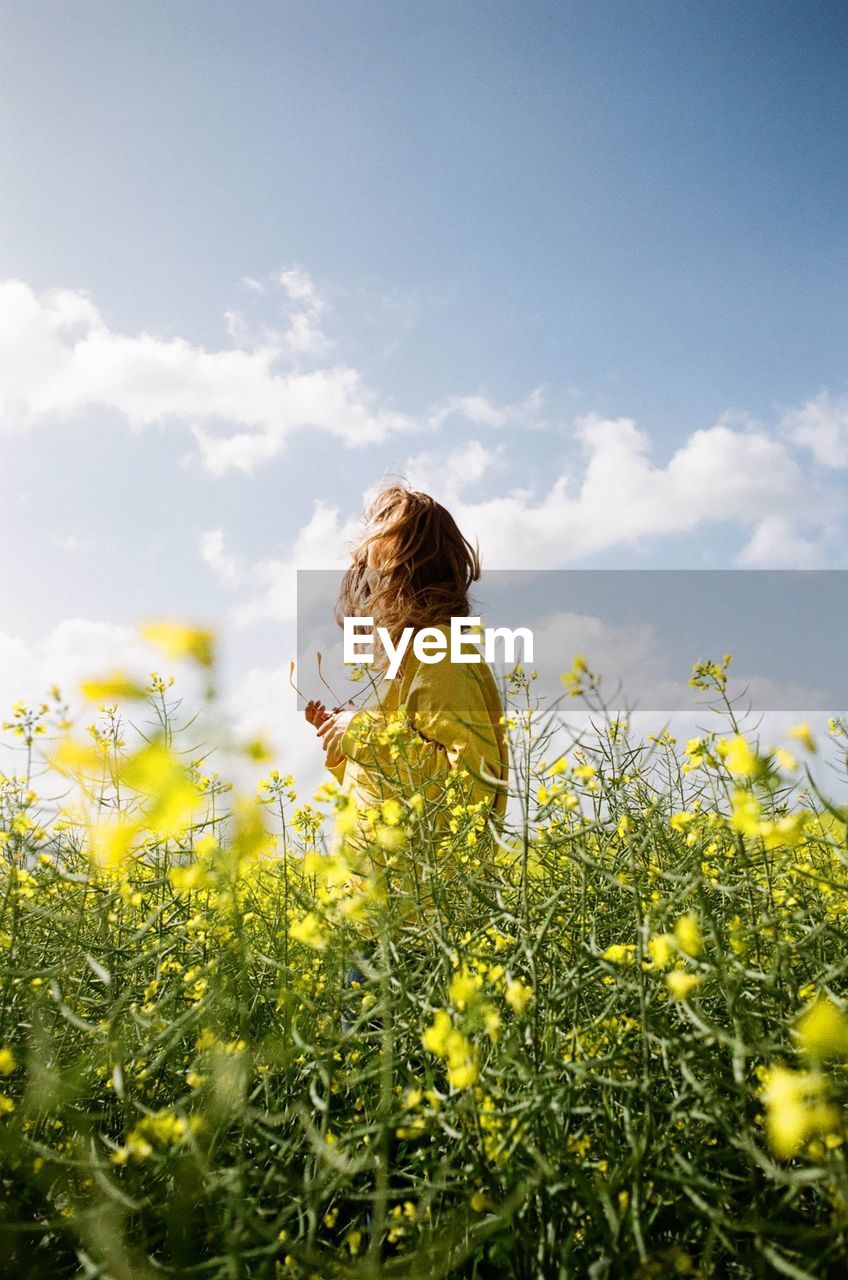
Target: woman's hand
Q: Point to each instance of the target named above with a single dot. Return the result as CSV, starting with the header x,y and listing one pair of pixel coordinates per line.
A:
x,y
316,713
331,731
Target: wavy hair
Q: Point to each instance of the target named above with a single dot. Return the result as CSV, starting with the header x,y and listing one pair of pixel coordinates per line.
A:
x,y
425,568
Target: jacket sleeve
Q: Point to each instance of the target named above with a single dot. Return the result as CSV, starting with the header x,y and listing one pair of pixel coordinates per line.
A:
x,y
450,728
338,770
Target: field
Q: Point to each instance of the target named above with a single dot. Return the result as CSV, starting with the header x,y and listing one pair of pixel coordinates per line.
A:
x,y
614,1045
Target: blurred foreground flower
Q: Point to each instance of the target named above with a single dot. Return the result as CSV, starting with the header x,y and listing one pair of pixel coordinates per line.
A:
x,y
823,1030
681,984
797,1109
180,640
112,688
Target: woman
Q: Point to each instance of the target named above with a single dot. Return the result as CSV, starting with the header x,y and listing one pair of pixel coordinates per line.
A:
x,y
432,738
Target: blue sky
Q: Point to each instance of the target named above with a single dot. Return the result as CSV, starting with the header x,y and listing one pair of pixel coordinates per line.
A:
x,y
578,267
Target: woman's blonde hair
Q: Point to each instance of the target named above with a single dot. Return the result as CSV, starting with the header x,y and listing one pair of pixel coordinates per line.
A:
x,y
426,566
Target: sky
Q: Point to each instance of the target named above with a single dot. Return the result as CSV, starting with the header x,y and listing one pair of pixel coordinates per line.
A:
x,y
577,268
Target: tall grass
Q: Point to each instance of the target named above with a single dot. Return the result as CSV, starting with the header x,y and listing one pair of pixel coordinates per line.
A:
x,y
612,1045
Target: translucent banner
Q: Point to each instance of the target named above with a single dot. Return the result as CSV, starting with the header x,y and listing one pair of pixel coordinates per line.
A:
x,y
641,631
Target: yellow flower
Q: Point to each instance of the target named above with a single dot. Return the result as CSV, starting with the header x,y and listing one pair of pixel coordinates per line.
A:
x,y
708,675
746,813
111,841
464,988
738,941
309,931
392,811
390,838
687,932
681,983
491,1022
518,995
739,757
194,875
111,688
171,797
786,832
7,1062
620,953
76,758
577,679
179,640
446,1041
785,759
462,1074
436,1035
347,818
161,1128
823,1030
796,1110
661,949
803,735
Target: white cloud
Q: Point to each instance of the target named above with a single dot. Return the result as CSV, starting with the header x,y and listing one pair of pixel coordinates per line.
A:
x,y
639,667
302,334
480,411
222,562
616,495
271,582
75,649
821,425
453,471
72,542
777,544
58,357
613,496
259,703
299,287
262,704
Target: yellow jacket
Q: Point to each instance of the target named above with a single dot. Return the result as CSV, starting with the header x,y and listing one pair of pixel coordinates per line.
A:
x,y
415,738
